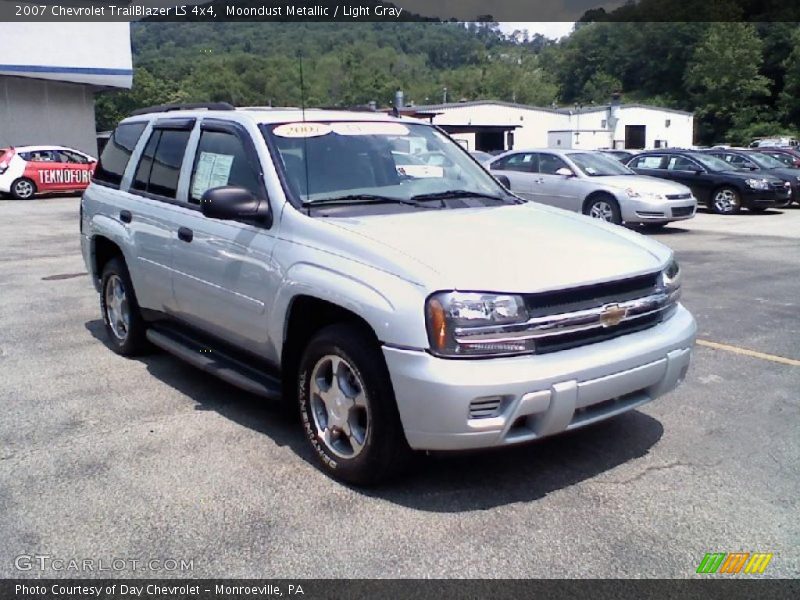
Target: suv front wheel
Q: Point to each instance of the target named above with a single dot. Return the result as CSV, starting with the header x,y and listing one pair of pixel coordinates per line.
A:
x,y
347,406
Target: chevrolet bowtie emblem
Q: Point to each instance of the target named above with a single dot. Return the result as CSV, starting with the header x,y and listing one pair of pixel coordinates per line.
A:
x,y
612,314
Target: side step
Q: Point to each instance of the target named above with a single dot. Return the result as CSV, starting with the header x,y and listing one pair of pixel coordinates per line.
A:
x,y
217,363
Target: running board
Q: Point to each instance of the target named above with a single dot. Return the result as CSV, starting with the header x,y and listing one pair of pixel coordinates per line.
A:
x,y
217,363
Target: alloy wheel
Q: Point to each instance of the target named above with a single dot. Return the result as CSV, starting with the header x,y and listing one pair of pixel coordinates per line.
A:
x,y
118,313
602,210
339,406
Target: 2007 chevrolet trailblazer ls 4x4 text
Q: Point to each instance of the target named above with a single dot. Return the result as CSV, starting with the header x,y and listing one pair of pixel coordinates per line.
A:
x,y
289,254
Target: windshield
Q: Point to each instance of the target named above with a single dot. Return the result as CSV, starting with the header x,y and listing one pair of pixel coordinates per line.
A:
x,y
376,161
595,164
712,163
765,161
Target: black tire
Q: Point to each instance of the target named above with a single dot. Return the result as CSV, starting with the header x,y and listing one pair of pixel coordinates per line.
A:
x,y
383,447
23,189
603,207
132,341
725,200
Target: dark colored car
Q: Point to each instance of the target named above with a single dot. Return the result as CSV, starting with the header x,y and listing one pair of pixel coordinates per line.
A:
x,y
622,156
723,189
757,161
788,156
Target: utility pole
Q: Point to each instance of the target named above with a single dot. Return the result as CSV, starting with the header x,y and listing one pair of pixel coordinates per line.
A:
x,y
444,95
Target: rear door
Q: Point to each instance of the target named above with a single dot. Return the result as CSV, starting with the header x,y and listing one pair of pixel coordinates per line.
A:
x,y
554,189
520,168
690,173
224,277
152,212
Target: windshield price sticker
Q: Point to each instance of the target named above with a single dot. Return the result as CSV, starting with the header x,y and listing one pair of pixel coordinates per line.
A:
x,y
301,130
369,128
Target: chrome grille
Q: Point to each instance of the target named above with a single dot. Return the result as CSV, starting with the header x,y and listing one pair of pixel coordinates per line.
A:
x,y
586,315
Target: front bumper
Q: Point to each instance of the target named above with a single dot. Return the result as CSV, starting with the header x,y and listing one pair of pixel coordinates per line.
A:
x,y
540,395
765,198
641,211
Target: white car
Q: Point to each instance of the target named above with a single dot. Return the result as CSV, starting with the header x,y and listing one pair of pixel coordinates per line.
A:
x,y
594,184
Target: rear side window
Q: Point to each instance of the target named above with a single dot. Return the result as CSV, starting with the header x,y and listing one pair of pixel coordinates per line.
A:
x,y
160,165
117,153
646,162
221,160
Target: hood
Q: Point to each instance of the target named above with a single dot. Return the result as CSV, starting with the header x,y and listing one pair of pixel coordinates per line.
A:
x,y
520,248
642,183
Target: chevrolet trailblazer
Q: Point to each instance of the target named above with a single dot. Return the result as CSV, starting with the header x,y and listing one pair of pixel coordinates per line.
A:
x,y
285,252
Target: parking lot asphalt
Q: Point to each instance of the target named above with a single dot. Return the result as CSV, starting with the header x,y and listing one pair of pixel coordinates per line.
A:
x,y
104,457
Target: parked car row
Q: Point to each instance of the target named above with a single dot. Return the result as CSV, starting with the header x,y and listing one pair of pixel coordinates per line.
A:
x,y
595,184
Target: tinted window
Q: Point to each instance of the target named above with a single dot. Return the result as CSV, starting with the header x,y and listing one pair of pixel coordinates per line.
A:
x,y
117,153
646,162
550,163
160,165
524,163
681,163
222,160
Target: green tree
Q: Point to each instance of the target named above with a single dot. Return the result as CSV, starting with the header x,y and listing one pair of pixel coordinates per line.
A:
x,y
789,98
723,78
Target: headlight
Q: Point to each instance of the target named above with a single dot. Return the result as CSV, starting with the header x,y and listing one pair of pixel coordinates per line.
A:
x,y
632,193
670,281
454,321
757,184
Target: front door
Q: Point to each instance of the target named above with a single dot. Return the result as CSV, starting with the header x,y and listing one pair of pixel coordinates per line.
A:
x,y
224,278
554,188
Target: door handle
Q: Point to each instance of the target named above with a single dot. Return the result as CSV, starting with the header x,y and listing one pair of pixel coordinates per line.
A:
x,y
125,216
185,234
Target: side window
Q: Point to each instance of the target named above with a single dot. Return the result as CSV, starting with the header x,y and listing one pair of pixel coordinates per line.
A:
x,y
160,164
739,161
222,159
117,153
522,162
681,163
74,157
550,163
647,162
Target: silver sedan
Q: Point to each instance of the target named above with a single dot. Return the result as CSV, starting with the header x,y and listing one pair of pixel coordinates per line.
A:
x,y
594,184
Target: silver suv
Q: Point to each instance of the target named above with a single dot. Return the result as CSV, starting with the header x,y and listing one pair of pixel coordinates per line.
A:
x,y
287,253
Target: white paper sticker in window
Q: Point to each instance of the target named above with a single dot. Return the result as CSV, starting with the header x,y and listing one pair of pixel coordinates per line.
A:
x,y
213,170
301,130
367,128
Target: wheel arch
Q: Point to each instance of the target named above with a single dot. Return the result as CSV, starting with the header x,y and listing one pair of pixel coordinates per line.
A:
x,y
594,196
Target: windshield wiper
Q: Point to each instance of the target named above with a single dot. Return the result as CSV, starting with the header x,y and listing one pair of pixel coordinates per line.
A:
x,y
451,194
350,199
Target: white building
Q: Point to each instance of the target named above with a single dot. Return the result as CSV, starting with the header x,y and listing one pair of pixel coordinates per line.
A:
x,y
49,74
476,125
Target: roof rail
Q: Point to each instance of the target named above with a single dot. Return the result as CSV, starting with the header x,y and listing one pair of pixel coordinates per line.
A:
x,y
179,106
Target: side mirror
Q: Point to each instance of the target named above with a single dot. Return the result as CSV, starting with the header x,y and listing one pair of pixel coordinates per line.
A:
x,y
229,203
699,172
565,172
504,181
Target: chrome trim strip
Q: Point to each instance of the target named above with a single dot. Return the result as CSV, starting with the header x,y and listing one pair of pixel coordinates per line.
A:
x,y
550,325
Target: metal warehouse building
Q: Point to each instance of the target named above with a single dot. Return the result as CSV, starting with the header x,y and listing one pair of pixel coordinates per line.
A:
x,y
49,74
615,125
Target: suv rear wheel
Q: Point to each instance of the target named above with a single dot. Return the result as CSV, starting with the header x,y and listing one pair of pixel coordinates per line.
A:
x,y
347,406
124,324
